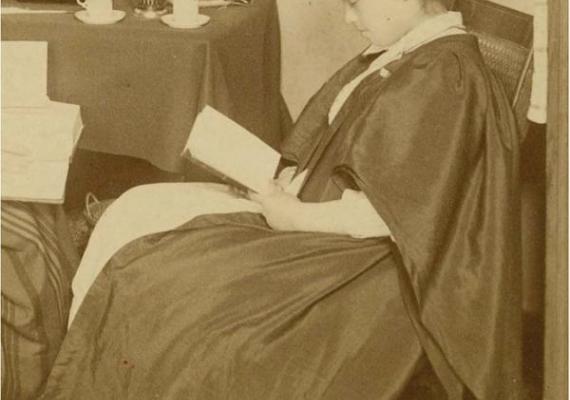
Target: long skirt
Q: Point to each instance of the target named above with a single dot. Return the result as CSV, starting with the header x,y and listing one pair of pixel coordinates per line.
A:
x,y
224,307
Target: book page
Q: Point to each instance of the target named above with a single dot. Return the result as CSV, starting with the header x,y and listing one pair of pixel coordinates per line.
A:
x,y
232,150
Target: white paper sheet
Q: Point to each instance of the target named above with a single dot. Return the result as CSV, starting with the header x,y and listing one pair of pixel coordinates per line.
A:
x,y
20,10
37,145
46,133
38,181
24,74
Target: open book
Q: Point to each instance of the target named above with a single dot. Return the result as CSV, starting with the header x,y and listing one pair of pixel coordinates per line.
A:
x,y
231,151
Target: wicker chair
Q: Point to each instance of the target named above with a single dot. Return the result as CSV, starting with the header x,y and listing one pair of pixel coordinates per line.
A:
x,y
505,40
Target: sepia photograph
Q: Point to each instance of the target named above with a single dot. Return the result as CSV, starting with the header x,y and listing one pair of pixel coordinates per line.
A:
x,y
284,199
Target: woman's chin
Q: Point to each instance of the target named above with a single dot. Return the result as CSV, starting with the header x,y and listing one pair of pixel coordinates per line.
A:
x,y
372,39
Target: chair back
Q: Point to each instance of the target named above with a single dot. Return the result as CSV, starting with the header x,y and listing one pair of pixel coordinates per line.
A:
x,y
505,40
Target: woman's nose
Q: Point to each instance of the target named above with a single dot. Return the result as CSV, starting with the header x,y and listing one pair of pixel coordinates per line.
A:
x,y
350,16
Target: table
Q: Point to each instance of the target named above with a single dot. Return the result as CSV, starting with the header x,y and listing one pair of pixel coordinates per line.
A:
x,y
141,83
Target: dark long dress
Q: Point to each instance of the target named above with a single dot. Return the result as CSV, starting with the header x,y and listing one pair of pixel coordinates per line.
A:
x,y
226,308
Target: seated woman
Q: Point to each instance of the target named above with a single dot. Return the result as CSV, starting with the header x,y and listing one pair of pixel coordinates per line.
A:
x,y
396,262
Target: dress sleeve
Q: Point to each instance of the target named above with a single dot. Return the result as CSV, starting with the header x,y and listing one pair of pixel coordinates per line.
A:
x,y
414,146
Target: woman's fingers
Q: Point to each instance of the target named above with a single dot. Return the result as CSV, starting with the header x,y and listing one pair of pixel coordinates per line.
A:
x,y
254,196
272,190
239,192
285,177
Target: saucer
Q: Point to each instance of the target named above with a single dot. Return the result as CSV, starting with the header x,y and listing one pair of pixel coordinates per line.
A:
x,y
111,18
200,20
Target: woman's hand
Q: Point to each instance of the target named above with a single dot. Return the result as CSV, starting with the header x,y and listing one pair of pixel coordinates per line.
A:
x,y
280,209
352,215
238,191
285,177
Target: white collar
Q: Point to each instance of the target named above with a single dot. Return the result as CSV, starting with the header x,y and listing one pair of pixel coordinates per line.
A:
x,y
424,32
435,27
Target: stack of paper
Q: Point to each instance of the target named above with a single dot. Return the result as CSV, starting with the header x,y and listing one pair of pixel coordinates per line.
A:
x,y
38,135
24,74
231,151
37,144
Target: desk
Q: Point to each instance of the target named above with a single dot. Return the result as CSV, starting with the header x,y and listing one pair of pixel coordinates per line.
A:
x,y
141,83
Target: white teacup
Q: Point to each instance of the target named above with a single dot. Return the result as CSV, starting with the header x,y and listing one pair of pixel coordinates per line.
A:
x,y
185,11
97,8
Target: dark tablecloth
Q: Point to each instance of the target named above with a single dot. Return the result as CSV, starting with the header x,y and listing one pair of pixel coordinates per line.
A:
x,y
141,83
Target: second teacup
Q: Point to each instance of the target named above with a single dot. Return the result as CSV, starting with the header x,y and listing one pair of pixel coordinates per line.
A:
x,y
185,11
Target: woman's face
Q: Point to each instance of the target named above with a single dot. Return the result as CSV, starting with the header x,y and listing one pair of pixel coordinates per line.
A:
x,y
384,22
